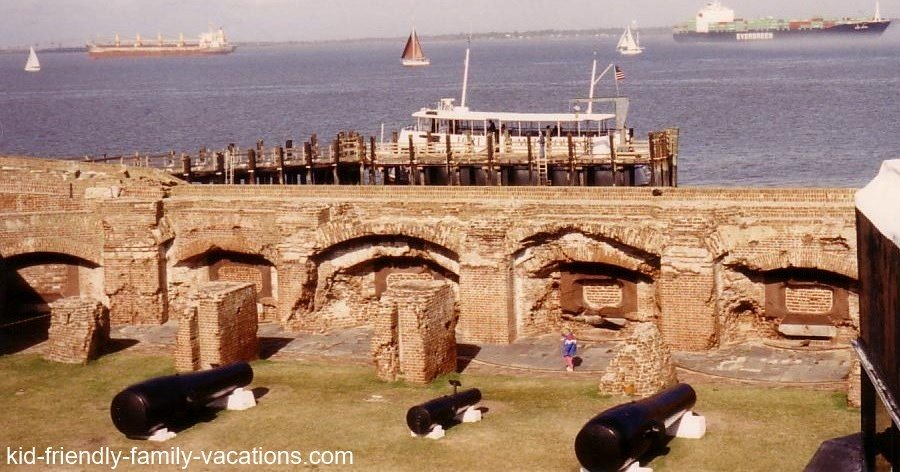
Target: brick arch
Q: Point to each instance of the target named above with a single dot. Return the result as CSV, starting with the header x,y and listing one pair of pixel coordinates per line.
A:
x,y
348,253
606,245
440,235
83,250
644,239
356,251
197,247
801,259
763,260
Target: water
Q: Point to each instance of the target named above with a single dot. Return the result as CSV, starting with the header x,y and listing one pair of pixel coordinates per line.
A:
x,y
815,114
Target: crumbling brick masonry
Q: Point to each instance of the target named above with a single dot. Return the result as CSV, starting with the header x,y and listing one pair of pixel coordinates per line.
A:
x,y
79,327
414,331
220,328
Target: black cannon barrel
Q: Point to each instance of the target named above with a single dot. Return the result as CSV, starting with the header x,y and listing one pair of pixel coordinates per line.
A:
x,y
623,433
144,407
421,418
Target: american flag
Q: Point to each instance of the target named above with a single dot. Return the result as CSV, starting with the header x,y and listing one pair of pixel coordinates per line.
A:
x,y
619,74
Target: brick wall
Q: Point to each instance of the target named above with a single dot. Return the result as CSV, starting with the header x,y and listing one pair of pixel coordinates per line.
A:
x,y
698,255
220,328
414,332
78,329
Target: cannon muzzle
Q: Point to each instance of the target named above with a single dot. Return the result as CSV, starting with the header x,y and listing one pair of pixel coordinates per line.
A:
x,y
620,435
421,418
145,407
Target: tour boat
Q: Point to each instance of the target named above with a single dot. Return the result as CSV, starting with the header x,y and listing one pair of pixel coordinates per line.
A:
x,y
32,64
412,54
512,131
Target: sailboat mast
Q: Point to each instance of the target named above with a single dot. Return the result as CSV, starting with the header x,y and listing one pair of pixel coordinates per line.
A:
x,y
462,99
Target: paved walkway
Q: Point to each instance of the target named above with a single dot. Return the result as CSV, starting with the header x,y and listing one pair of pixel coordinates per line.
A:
x,y
757,363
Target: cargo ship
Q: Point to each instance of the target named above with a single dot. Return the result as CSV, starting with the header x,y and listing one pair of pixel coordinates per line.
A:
x,y
717,23
212,42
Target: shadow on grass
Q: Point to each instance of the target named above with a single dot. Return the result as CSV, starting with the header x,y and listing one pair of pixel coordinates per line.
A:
x,y
464,355
269,346
19,335
115,345
659,450
259,392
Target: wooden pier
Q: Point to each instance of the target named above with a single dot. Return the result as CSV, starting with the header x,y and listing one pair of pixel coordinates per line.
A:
x,y
351,159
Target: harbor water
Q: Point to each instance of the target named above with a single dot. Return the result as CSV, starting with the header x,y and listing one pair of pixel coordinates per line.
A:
x,y
780,114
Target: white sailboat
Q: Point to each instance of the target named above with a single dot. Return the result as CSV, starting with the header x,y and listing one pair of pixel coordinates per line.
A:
x,y
412,53
629,44
32,64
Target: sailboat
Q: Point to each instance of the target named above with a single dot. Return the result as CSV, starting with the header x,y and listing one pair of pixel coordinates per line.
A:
x,y
412,53
628,44
32,64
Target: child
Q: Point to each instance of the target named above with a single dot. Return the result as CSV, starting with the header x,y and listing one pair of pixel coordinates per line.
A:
x,y
568,349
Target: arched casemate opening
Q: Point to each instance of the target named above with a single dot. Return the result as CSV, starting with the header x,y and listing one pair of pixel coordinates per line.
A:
x,y
30,282
583,281
348,279
221,265
801,306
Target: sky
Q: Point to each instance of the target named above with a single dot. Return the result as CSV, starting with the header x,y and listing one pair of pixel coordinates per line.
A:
x,y
73,22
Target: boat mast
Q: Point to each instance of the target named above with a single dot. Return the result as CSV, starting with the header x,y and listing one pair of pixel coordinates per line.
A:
x,y
594,82
877,11
462,99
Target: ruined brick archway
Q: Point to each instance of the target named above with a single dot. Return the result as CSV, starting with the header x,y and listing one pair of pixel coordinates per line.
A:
x,y
577,275
210,262
346,280
448,238
777,282
803,304
30,282
186,248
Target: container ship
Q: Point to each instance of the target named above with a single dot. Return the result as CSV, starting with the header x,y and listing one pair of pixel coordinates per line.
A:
x,y
212,42
716,23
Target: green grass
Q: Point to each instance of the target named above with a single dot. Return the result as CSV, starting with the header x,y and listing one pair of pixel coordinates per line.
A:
x,y
530,424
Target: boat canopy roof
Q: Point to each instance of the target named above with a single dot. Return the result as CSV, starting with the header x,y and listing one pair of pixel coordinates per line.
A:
x,y
463,114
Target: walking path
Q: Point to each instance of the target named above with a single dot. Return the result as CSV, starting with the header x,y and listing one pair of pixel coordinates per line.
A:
x,y
755,363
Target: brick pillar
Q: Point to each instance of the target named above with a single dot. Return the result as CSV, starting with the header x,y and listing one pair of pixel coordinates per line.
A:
x,y
486,313
414,334
227,323
187,342
685,287
133,262
78,329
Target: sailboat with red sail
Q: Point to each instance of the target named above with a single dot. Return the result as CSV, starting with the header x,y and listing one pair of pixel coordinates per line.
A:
x,y
412,53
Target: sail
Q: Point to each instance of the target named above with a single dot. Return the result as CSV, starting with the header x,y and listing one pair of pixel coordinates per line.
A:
x,y
627,43
32,64
412,53
625,40
413,49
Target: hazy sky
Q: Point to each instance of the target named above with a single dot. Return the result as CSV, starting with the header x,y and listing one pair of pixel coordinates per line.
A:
x,y
73,22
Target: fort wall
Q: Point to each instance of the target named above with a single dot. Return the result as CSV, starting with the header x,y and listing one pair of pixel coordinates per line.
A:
x,y
708,266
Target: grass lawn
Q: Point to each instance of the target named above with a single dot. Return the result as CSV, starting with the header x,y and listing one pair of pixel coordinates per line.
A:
x,y
530,423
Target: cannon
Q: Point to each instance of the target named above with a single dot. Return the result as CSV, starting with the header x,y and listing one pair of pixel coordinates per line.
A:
x,y
440,411
145,407
620,435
